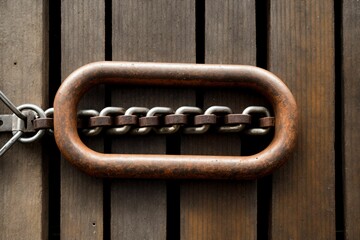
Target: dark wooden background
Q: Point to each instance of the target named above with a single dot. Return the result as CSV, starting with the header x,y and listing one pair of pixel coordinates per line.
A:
x,y
312,45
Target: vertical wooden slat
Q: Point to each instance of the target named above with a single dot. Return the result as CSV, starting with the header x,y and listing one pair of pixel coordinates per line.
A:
x,y
23,74
301,53
222,210
143,30
351,83
82,41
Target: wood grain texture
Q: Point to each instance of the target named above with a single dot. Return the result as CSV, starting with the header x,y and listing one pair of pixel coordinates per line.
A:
x,y
159,31
82,41
351,73
23,78
221,209
301,52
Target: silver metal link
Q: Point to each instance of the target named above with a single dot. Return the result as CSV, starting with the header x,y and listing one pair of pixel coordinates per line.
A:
x,y
126,128
89,113
260,110
40,114
19,125
231,129
164,130
187,110
210,111
108,111
152,112
135,111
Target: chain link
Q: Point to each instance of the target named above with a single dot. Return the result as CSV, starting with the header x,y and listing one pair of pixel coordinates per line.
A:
x,y
164,120
31,120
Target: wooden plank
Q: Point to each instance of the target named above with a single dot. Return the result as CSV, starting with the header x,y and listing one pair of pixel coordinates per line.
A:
x,y
222,210
82,41
23,74
351,72
301,52
159,31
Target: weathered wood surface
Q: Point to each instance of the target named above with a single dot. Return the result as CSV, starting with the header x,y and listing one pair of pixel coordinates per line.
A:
x,y
301,52
351,103
222,209
154,31
23,77
82,41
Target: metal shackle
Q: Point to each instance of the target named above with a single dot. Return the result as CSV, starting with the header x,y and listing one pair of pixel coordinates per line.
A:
x,y
175,166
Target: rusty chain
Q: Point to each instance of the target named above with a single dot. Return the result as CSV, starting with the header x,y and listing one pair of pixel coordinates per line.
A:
x,y
29,122
201,76
164,120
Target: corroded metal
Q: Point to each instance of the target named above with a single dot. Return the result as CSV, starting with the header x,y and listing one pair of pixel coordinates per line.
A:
x,y
151,121
125,120
205,119
237,119
266,122
43,123
100,121
174,75
176,119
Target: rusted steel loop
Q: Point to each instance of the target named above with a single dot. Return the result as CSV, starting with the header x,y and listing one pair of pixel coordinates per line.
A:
x,y
175,75
266,122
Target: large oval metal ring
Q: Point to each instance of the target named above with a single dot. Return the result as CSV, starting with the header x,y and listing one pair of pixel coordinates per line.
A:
x,y
175,166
